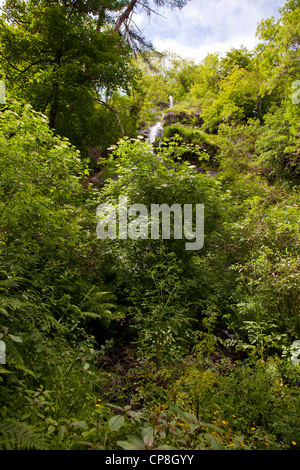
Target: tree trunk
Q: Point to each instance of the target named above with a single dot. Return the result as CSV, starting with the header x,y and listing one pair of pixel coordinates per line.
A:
x,y
101,19
55,90
54,106
125,15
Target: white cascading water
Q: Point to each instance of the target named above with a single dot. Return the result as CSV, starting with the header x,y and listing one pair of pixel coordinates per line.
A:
x,y
155,132
171,101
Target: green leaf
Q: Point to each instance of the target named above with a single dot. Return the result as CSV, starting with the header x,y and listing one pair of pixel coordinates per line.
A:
x,y
20,436
187,417
127,445
148,436
211,426
136,442
4,371
193,427
116,422
213,441
13,357
16,339
80,425
165,447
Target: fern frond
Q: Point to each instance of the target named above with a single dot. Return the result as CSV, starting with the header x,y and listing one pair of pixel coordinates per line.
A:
x,y
3,312
20,436
99,295
14,357
93,315
6,284
12,302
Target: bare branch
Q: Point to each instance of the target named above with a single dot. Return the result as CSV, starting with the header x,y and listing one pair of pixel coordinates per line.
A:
x,y
151,10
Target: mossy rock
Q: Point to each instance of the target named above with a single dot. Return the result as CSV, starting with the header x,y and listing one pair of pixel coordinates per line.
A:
x,y
186,118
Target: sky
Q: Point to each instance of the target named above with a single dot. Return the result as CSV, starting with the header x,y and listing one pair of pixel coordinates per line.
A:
x,y
207,26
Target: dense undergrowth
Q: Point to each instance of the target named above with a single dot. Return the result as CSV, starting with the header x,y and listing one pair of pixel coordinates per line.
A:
x,y
139,343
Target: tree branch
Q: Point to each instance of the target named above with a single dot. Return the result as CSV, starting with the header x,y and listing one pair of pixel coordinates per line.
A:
x,y
125,15
107,106
152,11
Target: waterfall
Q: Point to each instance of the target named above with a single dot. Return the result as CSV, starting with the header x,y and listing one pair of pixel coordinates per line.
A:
x,y
155,132
171,101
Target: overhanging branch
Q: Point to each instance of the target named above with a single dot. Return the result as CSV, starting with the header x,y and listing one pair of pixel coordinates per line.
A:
x,y
113,110
125,15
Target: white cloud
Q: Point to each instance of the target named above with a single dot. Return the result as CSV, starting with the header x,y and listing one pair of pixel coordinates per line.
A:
x,y
199,52
204,26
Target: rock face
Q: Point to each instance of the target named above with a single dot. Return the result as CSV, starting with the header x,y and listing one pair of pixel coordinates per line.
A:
x,y
206,171
170,118
182,117
162,104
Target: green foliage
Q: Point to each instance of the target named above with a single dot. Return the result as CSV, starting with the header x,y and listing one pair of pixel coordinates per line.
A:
x,y
45,299
237,100
278,148
20,436
141,344
236,58
241,407
168,427
55,59
237,149
188,135
191,389
270,279
36,172
264,397
162,323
